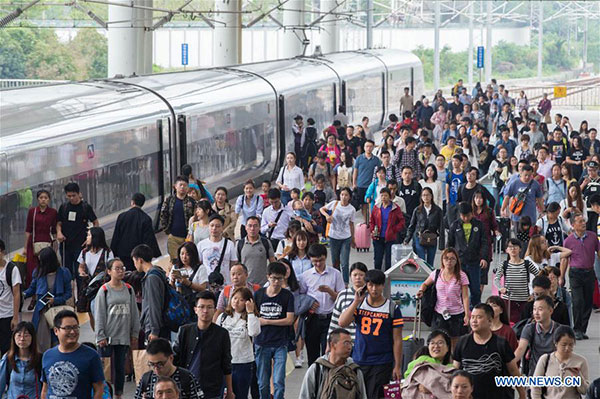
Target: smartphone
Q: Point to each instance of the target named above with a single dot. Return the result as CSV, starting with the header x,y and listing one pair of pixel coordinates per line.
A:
x,y
362,291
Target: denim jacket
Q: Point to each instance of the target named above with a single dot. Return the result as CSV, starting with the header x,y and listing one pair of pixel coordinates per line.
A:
x,y
22,381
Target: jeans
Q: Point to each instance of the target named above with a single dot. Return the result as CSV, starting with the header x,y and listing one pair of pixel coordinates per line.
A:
x,y
241,375
118,353
382,248
473,271
497,198
425,253
582,290
286,196
317,327
340,255
264,355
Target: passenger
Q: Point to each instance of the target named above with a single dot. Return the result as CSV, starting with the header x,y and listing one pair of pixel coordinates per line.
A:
x,y
308,199
299,136
117,322
188,275
71,369
426,220
241,321
501,323
321,167
186,170
10,299
198,229
461,385
409,189
358,271
276,314
290,176
21,367
372,194
275,219
322,283
217,253
248,204
298,255
166,388
542,286
362,175
133,227
239,279
265,187
255,252
562,362
407,156
431,180
71,229
222,207
285,246
385,223
302,215
332,150
205,349
343,172
160,361
375,338
485,214
309,150
341,230
176,211
49,278
153,294
39,233
317,383
323,193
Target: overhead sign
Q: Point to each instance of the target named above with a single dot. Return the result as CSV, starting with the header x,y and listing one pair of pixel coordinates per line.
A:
x,y
560,91
184,54
480,57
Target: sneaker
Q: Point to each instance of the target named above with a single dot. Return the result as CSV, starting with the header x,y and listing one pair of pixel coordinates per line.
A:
x,y
299,362
578,335
584,335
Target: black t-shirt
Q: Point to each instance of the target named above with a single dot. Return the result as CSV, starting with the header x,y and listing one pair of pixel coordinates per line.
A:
x,y
410,194
578,155
559,149
554,234
75,219
593,187
484,362
273,308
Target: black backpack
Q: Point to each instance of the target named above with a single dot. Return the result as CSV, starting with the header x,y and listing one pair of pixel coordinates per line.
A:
x,y
240,246
9,270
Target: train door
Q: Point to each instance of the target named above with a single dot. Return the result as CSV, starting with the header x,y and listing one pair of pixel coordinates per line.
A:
x,y
164,163
281,135
4,224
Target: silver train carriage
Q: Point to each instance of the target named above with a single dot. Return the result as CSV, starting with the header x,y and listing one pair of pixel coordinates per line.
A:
x,y
118,136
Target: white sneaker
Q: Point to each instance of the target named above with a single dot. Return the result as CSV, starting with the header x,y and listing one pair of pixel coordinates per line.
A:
x,y
299,362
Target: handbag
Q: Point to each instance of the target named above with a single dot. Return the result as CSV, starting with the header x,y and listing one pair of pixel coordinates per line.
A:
x,y
329,224
38,246
50,313
428,238
140,363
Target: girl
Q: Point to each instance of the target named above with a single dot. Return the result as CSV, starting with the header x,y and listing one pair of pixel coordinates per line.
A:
x,y
426,218
332,150
118,321
565,171
486,216
562,362
372,194
431,181
522,102
499,169
388,144
523,150
198,224
341,230
50,277
248,204
451,312
461,385
438,119
290,177
471,151
298,255
578,156
573,203
41,225
227,212
556,187
500,323
240,319
542,255
188,275
92,261
285,246
516,272
343,172
22,365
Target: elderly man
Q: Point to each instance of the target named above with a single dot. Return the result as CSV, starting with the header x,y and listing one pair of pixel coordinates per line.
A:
x,y
166,388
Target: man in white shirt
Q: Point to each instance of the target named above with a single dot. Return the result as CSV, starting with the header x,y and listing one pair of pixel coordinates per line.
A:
x,y
213,253
275,218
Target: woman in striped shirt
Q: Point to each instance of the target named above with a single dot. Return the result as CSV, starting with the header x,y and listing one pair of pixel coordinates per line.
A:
x,y
516,273
451,312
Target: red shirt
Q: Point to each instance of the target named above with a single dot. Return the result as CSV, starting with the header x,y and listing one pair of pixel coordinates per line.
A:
x,y
45,223
509,335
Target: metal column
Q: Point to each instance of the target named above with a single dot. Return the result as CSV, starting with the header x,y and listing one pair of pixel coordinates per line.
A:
x,y
369,23
293,19
329,31
470,51
540,38
585,43
488,43
436,47
226,36
122,39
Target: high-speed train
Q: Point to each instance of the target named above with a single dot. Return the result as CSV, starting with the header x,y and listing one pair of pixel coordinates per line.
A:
x,y
119,136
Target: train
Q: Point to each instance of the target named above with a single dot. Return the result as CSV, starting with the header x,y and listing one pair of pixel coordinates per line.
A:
x,y
118,136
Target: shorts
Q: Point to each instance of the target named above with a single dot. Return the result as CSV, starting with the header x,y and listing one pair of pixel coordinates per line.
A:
x,y
453,326
360,195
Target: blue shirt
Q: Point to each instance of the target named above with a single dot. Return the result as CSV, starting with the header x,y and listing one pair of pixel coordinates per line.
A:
x,y
454,180
529,208
364,168
385,214
23,381
178,228
71,375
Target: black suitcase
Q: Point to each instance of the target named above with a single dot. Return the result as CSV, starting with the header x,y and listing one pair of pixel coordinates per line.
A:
x,y
412,345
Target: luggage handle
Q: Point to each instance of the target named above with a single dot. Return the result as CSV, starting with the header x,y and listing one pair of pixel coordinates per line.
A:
x,y
417,321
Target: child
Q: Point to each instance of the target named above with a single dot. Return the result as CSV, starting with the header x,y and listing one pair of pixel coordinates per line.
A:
x,y
516,272
525,231
241,321
323,194
266,186
372,194
299,211
295,196
449,149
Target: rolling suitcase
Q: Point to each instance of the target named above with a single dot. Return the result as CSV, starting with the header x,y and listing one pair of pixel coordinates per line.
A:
x,y
362,236
414,342
497,261
504,227
399,252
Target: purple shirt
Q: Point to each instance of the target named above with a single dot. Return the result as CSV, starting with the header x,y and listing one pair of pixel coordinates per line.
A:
x,y
310,281
584,249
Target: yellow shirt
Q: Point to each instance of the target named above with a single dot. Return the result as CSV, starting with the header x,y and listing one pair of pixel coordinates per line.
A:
x,y
467,228
447,152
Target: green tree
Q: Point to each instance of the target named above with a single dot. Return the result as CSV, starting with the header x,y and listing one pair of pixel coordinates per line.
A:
x,y
90,50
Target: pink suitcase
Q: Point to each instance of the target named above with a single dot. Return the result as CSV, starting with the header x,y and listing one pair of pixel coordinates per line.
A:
x,y
362,237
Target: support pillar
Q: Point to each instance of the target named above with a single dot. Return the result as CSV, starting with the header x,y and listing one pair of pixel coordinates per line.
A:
x,y
585,43
488,43
329,31
293,17
369,23
540,38
436,47
143,23
470,51
122,40
227,36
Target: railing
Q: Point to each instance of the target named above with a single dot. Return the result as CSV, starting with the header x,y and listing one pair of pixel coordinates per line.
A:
x,y
14,83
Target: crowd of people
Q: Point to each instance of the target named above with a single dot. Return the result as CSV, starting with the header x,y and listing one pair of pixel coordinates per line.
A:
x,y
490,179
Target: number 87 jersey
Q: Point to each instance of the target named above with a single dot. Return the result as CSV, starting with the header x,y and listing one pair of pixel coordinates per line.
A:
x,y
374,332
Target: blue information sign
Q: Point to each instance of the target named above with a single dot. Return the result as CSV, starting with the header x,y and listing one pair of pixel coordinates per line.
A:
x,y
480,57
184,53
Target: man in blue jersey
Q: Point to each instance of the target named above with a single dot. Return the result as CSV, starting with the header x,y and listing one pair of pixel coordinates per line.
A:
x,y
378,328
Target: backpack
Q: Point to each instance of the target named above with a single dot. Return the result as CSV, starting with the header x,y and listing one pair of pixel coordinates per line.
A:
x,y
9,270
340,383
176,311
240,246
505,266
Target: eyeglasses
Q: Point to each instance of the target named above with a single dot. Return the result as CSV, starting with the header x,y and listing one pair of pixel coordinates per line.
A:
x,y
157,365
437,343
276,278
449,258
118,269
69,328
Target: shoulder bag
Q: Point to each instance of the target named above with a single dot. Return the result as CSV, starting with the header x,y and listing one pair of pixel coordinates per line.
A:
x,y
517,203
216,275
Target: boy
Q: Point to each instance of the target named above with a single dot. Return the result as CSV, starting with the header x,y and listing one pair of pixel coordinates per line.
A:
x,y
323,193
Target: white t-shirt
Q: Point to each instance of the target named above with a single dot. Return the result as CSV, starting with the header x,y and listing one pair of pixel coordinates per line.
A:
x,y
201,275
342,216
91,260
281,246
6,296
210,253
